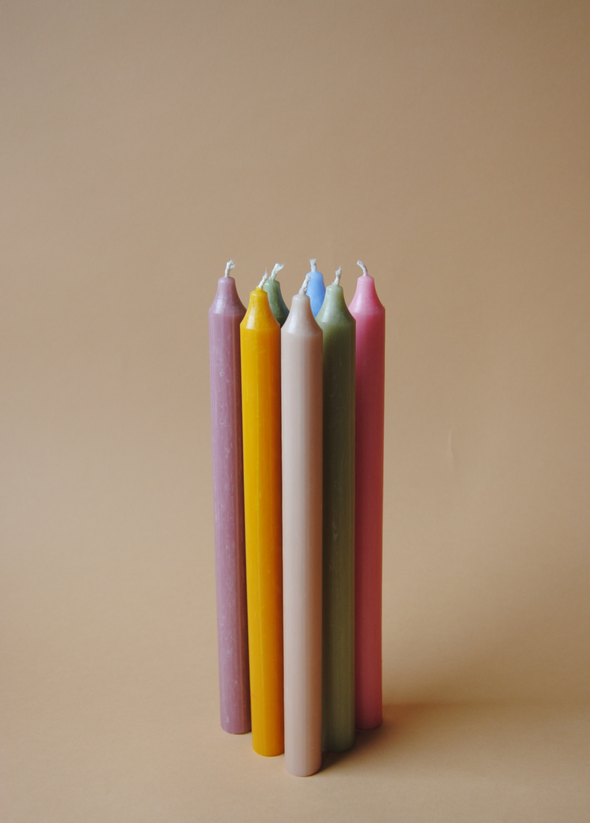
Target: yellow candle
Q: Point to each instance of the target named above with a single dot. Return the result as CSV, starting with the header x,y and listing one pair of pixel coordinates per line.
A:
x,y
260,336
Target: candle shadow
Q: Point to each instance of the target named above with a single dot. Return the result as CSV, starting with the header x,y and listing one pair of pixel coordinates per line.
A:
x,y
508,743
376,741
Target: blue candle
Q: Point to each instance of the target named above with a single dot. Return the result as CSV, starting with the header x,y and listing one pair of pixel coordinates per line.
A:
x,y
316,289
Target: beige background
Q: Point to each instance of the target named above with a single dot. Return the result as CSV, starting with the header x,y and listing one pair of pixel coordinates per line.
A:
x,y
143,145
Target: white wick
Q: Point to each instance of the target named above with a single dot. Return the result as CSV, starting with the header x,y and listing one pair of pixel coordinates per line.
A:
x,y
312,263
338,274
230,265
276,269
264,279
363,267
303,288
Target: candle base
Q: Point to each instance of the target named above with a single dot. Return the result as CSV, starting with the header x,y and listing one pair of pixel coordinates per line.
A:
x,y
338,743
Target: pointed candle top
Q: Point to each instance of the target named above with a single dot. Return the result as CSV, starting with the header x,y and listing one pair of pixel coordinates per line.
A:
x,y
312,263
303,288
338,274
264,279
276,269
229,266
363,267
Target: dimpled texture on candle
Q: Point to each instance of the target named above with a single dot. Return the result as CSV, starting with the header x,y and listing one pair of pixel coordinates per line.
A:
x,y
370,392
338,328
225,316
260,336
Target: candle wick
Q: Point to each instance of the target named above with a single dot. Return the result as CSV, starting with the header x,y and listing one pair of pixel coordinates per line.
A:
x,y
230,265
276,269
303,288
312,263
338,274
264,279
363,267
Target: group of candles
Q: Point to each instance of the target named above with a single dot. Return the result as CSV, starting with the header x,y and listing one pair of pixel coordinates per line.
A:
x,y
297,405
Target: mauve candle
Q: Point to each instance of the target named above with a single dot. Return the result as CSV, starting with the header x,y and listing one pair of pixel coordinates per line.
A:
x,y
369,314
225,316
301,403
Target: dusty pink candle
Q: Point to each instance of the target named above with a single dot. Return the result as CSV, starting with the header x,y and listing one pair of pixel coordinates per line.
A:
x,y
369,314
301,403
228,493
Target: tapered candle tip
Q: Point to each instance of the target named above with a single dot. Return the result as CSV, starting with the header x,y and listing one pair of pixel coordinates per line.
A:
x,y
312,263
338,275
363,267
276,269
303,288
229,266
264,279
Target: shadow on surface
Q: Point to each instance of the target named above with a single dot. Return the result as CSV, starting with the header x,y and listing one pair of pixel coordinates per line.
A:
x,y
506,742
385,737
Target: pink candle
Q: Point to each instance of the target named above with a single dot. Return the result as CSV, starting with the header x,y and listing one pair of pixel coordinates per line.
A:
x,y
369,314
301,404
225,316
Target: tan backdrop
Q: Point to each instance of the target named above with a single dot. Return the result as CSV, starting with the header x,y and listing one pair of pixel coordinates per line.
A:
x,y
143,145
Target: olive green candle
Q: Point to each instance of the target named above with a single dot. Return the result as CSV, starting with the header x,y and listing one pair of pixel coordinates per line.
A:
x,y
273,288
338,327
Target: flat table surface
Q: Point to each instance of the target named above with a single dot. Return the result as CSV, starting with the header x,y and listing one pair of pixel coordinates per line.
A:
x,y
143,762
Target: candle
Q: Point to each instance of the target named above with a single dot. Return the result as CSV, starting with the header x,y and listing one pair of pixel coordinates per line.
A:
x,y
260,336
338,327
369,313
301,402
226,432
273,288
316,289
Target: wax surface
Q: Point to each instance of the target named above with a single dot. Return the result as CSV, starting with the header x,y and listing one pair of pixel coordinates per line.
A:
x,y
338,327
301,362
276,302
316,290
369,314
261,413
230,568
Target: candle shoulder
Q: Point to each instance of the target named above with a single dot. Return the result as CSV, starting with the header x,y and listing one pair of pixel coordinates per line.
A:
x,y
226,299
316,291
334,311
258,316
276,302
366,300
301,322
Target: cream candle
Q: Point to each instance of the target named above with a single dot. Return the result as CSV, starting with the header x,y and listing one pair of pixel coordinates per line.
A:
x,y
301,403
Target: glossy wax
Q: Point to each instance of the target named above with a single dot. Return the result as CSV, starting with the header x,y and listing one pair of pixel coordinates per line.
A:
x,y
260,336
301,361
369,314
275,298
338,328
225,316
